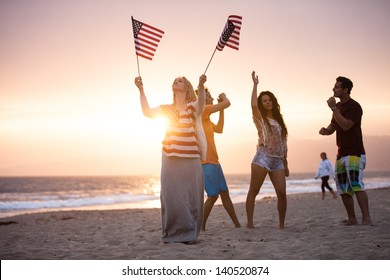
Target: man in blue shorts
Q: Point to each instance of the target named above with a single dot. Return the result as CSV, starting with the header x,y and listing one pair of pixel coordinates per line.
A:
x,y
351,156
215,182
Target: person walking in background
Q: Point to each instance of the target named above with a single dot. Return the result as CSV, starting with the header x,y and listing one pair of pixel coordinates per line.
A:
x,y
271,154
351,156
215,183
182,182
324,170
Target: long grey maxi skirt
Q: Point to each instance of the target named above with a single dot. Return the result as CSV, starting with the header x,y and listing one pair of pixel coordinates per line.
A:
x,y
182,194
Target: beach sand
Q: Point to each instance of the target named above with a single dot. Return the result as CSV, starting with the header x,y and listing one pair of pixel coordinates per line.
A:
x,y
314,231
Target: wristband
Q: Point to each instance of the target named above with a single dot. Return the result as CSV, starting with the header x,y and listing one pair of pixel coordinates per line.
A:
x,y
334,108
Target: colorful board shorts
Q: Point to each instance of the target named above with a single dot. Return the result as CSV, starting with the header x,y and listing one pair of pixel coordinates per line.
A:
x,y
214,180
267,162
349,174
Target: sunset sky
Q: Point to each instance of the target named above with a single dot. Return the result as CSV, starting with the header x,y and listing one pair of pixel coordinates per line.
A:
x,y
69,106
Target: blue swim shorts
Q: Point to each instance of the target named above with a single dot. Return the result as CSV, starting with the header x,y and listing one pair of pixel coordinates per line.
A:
x,y
266,161
349,174
214,179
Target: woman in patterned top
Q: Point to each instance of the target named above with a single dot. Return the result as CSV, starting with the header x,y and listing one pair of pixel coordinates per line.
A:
x,y
182,184
271,154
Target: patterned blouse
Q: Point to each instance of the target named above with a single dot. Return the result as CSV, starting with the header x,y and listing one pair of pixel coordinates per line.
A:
x,y
272,140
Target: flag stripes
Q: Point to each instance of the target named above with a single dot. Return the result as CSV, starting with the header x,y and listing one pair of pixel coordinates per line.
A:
x,y
231,33
146,38
234,39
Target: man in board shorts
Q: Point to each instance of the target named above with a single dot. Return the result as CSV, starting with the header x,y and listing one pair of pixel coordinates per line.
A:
x,y
215,183
351,156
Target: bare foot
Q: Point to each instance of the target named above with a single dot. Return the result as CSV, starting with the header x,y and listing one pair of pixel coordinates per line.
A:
x,y
250,225
193,242
351,223
368,223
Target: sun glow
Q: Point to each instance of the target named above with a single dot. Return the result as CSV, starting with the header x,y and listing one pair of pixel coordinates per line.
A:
x,y
150,128
69,105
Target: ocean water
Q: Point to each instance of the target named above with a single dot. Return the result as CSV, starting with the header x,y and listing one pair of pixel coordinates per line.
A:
x,y
20,195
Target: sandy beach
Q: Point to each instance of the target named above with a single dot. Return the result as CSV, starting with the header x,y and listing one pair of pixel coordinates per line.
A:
x,y
314,231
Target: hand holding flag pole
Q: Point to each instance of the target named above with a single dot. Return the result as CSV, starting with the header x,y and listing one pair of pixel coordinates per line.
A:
x,y
146,39
230,35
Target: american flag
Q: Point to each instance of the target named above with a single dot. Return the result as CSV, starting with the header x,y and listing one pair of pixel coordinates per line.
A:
x,y
231,33
146,39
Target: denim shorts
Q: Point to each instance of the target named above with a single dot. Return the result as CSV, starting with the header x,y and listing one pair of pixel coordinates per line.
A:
x,y
267,162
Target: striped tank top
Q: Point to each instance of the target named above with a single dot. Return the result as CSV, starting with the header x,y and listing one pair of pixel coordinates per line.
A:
x,y
180,137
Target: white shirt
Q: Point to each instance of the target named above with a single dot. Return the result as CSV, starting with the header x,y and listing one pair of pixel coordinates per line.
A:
x,y
325,169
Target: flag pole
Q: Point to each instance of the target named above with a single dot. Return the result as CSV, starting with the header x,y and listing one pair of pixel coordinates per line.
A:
x,y
139,74
210,61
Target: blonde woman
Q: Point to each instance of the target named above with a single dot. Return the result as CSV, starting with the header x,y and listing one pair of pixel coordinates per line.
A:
x,y
182,184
